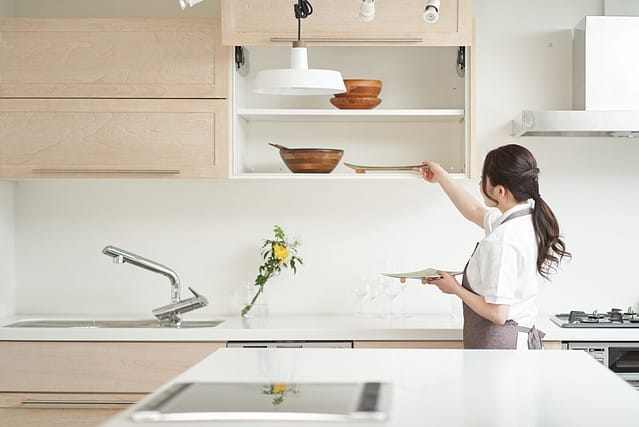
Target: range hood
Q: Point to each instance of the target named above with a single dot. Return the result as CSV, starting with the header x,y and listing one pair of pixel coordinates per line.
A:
x,y
605,84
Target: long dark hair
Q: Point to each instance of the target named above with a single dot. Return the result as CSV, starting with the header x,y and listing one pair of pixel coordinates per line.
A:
x,y
515,168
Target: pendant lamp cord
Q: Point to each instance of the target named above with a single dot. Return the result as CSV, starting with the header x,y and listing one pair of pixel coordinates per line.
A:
x,y
302,9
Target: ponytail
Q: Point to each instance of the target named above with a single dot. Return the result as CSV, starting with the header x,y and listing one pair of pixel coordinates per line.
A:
x,y
551,249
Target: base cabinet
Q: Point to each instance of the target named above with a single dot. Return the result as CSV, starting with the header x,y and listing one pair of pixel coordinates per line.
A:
x,y
77,384
55,417
409,344
548,345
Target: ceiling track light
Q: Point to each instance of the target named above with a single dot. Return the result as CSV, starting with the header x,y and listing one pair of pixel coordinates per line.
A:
x,y
188,3
367,10
431,11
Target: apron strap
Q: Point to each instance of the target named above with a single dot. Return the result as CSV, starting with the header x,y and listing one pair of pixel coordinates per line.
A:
x,y
517,214
534,337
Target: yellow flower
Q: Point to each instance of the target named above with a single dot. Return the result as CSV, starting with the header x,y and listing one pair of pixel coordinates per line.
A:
x,y
279,388
281,252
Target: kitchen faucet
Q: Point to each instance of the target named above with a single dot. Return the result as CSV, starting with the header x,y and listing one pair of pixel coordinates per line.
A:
x,y
170,313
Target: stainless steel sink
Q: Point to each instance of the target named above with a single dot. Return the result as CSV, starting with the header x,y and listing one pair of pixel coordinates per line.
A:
x,y
151,323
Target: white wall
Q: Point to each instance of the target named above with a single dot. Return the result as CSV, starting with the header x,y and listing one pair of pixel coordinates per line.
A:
x,y
210,232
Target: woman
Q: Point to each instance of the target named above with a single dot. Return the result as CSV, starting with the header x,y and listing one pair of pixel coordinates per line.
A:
x,y
499,285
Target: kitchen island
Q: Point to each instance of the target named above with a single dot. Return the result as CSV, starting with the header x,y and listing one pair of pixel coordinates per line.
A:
x,y
435,387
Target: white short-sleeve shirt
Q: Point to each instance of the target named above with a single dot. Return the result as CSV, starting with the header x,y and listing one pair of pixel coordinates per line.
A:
x,y
503,268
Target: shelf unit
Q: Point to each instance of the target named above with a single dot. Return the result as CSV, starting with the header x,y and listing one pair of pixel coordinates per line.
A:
x,y
424,113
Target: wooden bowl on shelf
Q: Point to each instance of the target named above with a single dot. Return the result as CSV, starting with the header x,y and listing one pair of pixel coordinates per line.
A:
x,y
355,102
361,87
310,160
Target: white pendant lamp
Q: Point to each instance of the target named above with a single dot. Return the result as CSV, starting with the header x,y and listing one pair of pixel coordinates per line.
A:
x,y
299,79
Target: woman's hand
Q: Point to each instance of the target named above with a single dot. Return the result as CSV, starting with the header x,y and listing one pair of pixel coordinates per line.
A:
x,y
447,284
432,171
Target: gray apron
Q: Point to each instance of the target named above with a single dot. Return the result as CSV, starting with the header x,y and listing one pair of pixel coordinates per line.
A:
x,y
481,333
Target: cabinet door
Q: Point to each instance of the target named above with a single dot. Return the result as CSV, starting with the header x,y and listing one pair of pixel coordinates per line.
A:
x,y
95,367
256,22
112,58
408,344
113,138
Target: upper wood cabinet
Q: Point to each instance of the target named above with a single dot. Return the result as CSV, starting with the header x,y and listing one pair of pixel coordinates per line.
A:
x,y
167,138
112,58
397,22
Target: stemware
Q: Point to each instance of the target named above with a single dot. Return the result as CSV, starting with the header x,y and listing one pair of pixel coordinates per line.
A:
x,y
361,291
391,288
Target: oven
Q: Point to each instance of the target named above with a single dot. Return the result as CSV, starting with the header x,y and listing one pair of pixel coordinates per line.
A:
x,y
620,357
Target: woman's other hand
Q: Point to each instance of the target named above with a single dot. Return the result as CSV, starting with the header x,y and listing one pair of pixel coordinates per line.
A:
x,y
447,283
431,171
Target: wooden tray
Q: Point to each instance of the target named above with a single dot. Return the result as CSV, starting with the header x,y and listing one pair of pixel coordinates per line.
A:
x,y
367,168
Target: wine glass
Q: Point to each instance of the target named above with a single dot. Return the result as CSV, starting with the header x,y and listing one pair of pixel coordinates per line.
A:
x,y
391,288
361,292
373,285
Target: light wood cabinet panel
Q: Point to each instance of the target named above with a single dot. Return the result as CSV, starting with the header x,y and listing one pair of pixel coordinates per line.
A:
x,y
257,22
112,58
69,400
552,345
95,367
15,417
548,345
113,138
408,344
81,384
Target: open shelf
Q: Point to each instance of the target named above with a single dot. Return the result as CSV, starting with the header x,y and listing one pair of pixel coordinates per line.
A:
x,y
424,114
326,115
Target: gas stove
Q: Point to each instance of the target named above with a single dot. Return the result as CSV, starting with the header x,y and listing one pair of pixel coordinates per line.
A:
x,y
615,318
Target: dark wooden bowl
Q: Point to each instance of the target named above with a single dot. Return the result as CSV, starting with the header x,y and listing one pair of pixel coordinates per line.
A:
x,y
355,103
310,160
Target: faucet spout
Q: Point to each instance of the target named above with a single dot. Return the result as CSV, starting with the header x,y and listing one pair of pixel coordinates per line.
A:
x,y
120,256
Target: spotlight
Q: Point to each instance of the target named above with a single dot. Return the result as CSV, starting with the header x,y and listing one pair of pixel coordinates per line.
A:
x,y
431,11
186,3
367,10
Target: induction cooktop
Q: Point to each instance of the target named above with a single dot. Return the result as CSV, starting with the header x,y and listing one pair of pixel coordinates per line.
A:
x,y
211,401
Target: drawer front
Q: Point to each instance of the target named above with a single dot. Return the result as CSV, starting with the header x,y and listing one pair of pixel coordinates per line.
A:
x,y
128,137
408,344
63,417
113,58
95,367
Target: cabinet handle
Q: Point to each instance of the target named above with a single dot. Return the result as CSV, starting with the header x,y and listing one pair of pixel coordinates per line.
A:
x,y
350,40
125,171
76,402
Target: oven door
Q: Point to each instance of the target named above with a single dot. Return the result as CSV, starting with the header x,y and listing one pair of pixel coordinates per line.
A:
x,y
624,360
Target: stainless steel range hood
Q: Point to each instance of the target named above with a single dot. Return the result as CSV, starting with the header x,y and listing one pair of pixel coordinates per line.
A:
x,y
605,84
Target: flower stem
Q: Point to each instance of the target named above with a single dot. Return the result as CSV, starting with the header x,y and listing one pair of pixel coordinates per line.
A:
x,y
250,304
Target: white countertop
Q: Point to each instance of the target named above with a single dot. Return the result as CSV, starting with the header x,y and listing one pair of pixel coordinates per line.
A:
x,y
293,328
438,387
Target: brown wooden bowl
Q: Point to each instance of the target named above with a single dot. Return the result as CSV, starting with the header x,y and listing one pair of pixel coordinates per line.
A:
x,y
361,87
355,103
310,160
